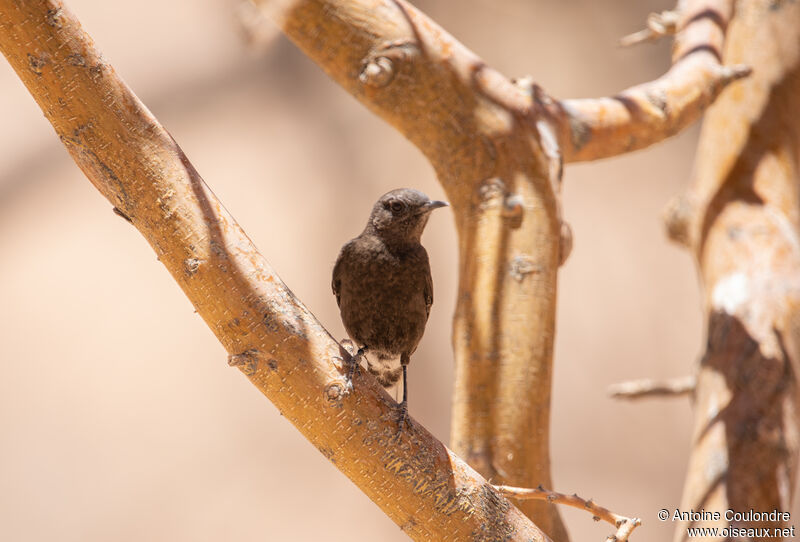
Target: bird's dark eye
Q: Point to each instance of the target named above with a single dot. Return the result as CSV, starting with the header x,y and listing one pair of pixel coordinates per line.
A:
x,y
397,206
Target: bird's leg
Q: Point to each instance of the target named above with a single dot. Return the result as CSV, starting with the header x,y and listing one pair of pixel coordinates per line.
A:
x,y
404,359
351,358
355,362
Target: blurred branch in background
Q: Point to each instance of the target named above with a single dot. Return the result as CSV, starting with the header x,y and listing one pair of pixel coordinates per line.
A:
x,y
270,335
645,114
740,220
658,25
646,388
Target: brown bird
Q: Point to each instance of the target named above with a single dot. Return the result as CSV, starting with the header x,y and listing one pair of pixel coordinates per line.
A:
x,y
382,283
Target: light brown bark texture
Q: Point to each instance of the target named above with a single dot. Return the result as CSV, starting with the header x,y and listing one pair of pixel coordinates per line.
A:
x,y
272,338
497,147
741,221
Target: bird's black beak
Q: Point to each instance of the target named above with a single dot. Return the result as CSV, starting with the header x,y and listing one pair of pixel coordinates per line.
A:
x,y
431,205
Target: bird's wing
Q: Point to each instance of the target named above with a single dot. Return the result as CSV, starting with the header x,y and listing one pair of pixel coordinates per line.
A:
x,y
428,290
336,281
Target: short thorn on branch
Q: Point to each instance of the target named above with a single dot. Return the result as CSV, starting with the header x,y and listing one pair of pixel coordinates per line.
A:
x,y
658,25
624,525
640,389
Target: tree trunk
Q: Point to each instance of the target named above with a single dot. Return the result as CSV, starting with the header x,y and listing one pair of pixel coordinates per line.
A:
x,y
741,221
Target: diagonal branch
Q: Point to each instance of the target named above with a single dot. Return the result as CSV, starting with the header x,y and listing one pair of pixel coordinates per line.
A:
x,y
272,338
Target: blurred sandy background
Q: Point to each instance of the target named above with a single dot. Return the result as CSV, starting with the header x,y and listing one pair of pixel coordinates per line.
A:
x,y
119,417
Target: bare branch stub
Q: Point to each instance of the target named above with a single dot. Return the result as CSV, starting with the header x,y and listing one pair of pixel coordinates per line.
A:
x,y
658,25
647,388
270,336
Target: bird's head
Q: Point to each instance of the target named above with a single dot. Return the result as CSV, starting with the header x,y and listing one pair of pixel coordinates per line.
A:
x,y
401,215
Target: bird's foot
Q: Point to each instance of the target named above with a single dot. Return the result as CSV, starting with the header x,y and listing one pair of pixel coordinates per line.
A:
x,y
353,360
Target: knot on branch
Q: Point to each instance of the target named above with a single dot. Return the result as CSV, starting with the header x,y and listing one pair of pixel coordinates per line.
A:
x,y
36,63
247,361
512,207
492,194
523,265
191,265
381,65
678,215
335,392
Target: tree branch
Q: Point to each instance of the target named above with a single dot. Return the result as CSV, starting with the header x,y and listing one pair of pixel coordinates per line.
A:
x,y
646,388
270,335
648,113
740,219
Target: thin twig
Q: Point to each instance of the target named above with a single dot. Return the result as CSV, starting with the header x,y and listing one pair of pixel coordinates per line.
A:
x,y
624,524
658,25
646,388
